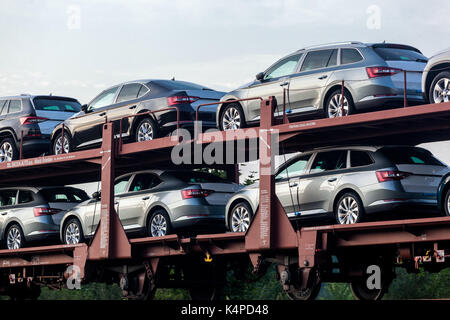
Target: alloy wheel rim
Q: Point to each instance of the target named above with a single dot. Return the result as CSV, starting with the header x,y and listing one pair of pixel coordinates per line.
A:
x,y
6,152
231,119
145,132
72,233
348,211
441,91
335,109
58,145
240,219
448,206
14,239
158,227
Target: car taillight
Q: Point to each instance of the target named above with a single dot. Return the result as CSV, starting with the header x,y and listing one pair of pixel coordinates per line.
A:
x,y
180,99
44,211
195,193
374,72
31,120
390,175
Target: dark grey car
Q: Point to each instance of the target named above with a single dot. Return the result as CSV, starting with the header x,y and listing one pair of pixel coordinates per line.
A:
x,y
154,203
29,120
313,78
34,213
84,130
347,183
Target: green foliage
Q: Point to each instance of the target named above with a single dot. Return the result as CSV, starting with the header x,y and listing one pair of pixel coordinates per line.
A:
x,y
172,294
335,291
91,291
251,178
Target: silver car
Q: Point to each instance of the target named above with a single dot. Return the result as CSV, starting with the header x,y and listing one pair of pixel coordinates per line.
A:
x,y
313,76
347,183
29,214
436,78
154,203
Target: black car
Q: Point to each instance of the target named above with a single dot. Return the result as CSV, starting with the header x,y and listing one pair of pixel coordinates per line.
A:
x,y
31,119
124,102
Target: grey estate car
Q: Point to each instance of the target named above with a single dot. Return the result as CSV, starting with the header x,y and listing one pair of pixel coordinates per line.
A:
x,y
312,78
346,183
154,202
33,213
436,78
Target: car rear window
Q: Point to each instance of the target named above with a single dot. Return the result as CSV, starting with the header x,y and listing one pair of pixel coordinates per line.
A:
x,y
396,54
197,177
350,56
64,195
47,104
411,156
180,85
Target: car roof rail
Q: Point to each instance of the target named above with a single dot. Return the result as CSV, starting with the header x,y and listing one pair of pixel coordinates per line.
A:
x,y
332,44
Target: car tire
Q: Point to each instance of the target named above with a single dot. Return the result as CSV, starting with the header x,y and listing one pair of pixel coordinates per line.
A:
x,y
333,108
14,237
240,217
232,117
441,79
73,232
146,130
68,145
349,209
446,205
159,224
8,150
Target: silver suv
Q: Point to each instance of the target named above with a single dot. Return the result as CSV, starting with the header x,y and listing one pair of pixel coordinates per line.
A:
x,y
313,76
154,203
33,213
347,183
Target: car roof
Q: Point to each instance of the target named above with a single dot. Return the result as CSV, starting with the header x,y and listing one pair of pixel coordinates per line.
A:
x,y
356,44
31,96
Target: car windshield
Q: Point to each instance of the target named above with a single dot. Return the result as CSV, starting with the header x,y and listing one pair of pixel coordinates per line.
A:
x,y
64,195
48,104
411,156
180,85
197,177
396,54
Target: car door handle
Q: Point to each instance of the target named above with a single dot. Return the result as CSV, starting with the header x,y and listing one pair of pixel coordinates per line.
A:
x,y
293,184
132,107
116,203
323,77
4,213
102,114
145,198
284,84
332,179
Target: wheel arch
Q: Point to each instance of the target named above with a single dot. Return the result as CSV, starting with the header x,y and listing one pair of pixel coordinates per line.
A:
x,y
138,117
432,73
334,87
442,189
342,191
64,221
9,224
152,209
232,202
228,100
8,133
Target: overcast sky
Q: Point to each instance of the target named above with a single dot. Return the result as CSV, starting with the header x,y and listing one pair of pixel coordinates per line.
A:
x,y
79,47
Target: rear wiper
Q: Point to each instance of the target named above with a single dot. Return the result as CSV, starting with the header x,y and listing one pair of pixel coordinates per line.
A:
x,y
207,89
421,60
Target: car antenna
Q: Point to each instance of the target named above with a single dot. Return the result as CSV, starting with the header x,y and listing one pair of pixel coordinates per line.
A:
x,y
50,94
173,79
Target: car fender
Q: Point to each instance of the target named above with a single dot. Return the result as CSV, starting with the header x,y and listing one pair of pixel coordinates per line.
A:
x,y
151,207
6,223
250,195
444,181
332,84
341,188
69,214
11,132
224,100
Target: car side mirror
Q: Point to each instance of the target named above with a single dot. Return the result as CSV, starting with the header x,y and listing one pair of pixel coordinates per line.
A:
x,y
260,76
84,108
96,195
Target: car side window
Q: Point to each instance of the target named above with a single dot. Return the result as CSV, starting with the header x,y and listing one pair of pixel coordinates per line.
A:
x,y
25,196
317,59
8,197
144,181
143,91
120,184
129,92
15,106
103,99
295,169
3,107
333,59
329,160
283,68
360,159
350,56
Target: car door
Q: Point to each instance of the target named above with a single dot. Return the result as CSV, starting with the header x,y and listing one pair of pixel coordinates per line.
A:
x,y
287,183
308,84
8,199
88,127
134,203
318,185
125,104
275,79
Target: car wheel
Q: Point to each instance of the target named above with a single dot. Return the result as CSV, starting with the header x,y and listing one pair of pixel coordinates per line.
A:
x,y
146,130
232,117
440,88
349,209
333,106
14,237
73,232
240,217
8,150
446,210
58,144
159,224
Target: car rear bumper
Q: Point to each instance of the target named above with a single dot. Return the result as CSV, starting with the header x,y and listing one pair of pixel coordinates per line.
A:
x,y
380,102
35,146
403,206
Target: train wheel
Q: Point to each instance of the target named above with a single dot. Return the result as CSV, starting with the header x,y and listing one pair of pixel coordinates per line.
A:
x,y
360,291
296,292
